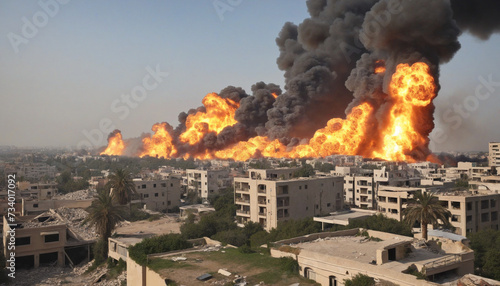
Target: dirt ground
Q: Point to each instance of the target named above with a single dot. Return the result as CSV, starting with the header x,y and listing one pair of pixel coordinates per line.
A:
x,y
167,224
198,263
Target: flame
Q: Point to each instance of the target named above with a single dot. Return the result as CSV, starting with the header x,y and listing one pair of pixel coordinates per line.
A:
x,y
274,95
115,145
218,115
410,92
380,66
160,144
411,87
340,136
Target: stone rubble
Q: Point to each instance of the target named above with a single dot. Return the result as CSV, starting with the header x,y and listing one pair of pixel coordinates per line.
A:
x,y
77,195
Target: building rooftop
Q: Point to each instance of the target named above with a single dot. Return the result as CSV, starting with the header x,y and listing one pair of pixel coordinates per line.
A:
x,y
343,218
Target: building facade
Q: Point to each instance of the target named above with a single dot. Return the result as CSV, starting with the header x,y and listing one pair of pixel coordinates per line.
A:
x,y
159,195
494,154
207,182
269,201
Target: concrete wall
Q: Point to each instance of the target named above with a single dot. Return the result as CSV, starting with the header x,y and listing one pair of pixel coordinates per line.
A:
x,y
39,206
136,274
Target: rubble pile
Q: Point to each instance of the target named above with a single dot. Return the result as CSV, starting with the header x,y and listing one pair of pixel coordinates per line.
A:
x,y
72,217
77,195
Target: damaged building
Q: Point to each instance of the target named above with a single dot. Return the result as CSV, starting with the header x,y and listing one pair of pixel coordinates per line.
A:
x,y
55,237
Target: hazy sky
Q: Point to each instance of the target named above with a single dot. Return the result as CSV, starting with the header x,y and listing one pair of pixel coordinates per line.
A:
x,y
63,72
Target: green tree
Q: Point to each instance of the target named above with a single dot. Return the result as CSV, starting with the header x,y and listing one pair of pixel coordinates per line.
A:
x,y
123,186
486,246
426,209
104,214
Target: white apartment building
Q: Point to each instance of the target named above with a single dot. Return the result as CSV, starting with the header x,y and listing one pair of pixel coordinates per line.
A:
x,y
159,195
207,182
494,154
267,199
32,171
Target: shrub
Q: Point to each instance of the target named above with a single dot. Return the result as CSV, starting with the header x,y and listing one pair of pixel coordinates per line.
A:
x,y
360,280
157,244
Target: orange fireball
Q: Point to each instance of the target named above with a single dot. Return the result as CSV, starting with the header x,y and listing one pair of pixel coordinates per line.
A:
x,y
411,87
115,145
160,144
218,115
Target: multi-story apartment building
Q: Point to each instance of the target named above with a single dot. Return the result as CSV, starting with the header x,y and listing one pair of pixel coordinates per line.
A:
x,y
32,171
269,199
208,182
391,201
472,211
494,154
159,195
40,191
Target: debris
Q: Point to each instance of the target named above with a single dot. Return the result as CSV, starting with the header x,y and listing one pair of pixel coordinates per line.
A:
x,y
179,258
204,277
77,195
224,272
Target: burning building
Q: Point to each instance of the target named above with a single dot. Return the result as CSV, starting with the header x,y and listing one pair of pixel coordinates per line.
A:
x,y
360,79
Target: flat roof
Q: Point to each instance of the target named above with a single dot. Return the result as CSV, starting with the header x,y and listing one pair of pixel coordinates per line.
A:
x,y
357,248
343,218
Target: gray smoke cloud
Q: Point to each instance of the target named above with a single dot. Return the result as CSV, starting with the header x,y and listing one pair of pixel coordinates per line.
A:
x,y
328,62
479,17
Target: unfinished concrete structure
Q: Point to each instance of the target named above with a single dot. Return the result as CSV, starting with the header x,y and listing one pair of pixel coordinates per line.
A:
x,y
207,182
331,257
159,195
52,238
268,201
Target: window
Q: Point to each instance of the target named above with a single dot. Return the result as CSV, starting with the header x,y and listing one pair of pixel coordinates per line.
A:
x,y
485,217
494,216
469,206
156,194
35,205
143,186
52,237
300,187
469,218
154,185
328,204
305,187
171,184
455,218
163,185
493,203
169,203
485,204
23,240
162,194
146,196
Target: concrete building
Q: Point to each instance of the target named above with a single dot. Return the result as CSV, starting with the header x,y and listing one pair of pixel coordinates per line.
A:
x,y
32,171
329,258
494,154
488,183
48,240
207,182
40,191
159,195
393,200
472,211
269,201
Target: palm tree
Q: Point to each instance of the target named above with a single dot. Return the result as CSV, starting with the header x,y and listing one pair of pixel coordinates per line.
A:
x,y
426,209
104,214
123,186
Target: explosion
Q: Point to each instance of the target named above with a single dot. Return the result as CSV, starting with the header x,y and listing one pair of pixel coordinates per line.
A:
x,y
351,87
115,144
218,115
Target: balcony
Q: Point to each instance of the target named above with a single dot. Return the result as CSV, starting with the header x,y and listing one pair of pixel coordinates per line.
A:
x,y
262,214
242,200
242,212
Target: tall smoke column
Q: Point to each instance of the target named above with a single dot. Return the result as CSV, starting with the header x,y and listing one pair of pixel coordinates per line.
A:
x,y
402,32
317,56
